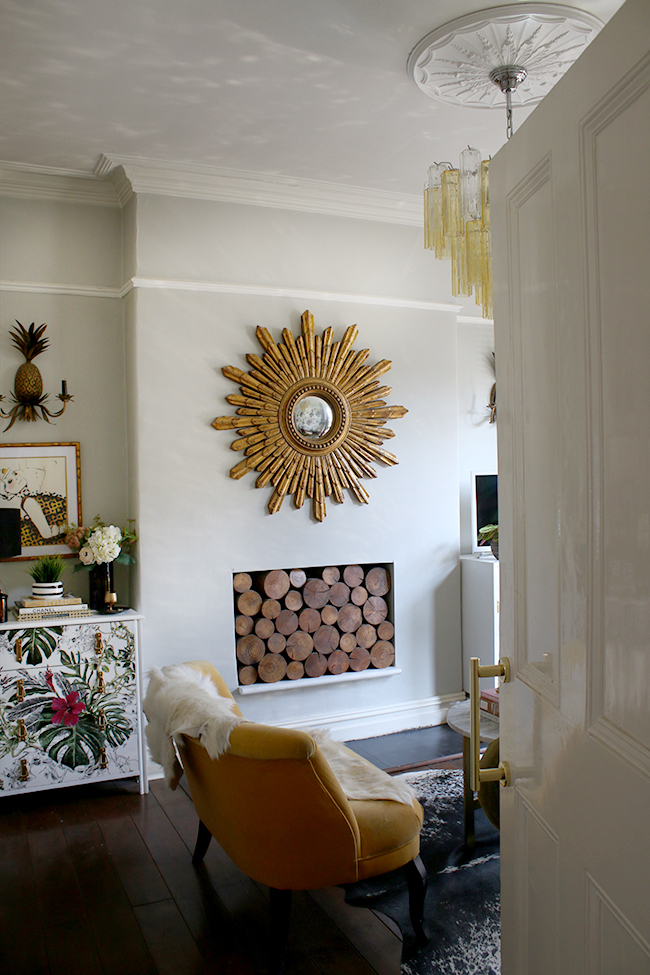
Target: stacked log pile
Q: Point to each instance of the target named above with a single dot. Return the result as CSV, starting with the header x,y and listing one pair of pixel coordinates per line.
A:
x,y
294,623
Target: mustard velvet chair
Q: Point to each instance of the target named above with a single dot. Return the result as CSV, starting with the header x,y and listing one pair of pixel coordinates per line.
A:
x,y
313,836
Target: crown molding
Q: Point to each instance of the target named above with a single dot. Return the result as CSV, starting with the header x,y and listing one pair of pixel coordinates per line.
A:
x,y
61,185
133,174
116,178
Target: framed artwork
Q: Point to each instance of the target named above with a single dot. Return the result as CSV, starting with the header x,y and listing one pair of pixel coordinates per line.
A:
x,y
43,481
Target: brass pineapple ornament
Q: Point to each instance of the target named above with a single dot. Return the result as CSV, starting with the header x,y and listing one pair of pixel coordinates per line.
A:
x,y
28,384
28,396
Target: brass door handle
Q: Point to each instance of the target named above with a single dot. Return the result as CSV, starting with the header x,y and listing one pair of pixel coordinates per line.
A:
x,y
477,774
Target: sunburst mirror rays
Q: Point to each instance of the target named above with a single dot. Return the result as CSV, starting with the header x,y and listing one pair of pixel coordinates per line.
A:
x,y
311,415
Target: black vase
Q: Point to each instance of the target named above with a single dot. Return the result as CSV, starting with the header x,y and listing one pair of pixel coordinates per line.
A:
x,y
100,581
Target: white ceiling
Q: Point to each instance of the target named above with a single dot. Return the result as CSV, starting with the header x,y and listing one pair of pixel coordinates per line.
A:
x,y
313,89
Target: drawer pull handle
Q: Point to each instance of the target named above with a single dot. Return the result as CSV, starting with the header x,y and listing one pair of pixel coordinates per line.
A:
x,y
18,649
22,730
24,771
20,690
101,720
98,643
103,760
100,681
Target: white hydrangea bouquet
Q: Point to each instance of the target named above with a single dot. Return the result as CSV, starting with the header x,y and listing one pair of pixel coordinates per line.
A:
x,y
101,543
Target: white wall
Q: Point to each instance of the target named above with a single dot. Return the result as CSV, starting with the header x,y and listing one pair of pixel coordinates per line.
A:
x,y
145,371
198,525
60,263
477,437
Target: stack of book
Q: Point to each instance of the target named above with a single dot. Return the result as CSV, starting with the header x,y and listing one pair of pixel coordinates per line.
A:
x,y
58,607
489,702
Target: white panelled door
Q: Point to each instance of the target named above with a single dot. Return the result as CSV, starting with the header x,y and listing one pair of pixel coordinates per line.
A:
x,y
571,249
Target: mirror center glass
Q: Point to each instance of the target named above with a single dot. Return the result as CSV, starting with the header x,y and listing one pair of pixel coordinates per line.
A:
x,y
313,417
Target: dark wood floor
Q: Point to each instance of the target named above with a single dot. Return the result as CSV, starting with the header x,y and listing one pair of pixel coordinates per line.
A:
x,y
98,879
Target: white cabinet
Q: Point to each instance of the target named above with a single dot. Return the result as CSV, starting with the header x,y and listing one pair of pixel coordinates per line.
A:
x,y
70,703
480,610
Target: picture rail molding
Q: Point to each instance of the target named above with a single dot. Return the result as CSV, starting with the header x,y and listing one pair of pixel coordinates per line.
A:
x,y
218,287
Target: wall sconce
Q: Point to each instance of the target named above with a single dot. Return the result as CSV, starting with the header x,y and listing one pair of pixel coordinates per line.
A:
x,y
28,395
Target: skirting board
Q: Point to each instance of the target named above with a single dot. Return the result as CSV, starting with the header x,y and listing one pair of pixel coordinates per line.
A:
x,y
352,725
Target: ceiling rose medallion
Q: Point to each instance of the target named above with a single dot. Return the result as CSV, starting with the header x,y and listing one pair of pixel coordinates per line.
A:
x,y
312,415
457,62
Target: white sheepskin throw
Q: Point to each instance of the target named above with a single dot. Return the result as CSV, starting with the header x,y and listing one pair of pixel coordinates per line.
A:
x,y
358,778
182,701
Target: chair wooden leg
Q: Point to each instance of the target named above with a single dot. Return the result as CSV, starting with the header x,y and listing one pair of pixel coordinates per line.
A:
x,y
202,843
416,877
280,912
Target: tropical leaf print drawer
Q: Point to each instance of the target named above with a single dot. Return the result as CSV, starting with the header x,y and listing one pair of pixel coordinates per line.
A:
x,y
68,704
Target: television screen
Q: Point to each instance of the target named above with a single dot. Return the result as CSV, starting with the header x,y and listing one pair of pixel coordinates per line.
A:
x,y
485,507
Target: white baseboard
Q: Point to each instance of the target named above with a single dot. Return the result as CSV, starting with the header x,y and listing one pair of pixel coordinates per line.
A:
x,y
352,725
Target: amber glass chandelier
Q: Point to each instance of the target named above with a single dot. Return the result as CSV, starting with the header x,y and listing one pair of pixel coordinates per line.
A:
x,y
457,224
518,51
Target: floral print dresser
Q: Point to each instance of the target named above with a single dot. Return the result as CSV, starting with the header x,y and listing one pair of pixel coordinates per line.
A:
x,y
70,703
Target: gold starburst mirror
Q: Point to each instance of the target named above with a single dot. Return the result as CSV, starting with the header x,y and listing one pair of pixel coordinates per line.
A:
x,y
312,415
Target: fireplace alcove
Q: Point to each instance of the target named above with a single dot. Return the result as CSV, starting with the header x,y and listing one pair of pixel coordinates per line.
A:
x,y
313,625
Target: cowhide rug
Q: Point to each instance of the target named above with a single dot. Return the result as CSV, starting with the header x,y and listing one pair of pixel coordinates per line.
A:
x,y
462,905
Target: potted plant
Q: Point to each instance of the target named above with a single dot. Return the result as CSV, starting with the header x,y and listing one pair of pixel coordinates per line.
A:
x,y
46,576
490,533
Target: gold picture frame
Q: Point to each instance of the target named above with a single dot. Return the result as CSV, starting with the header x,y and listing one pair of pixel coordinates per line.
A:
x,y
312,415
43,480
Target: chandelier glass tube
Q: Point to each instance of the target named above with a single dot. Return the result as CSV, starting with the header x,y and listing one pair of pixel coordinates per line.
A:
x,y
457,224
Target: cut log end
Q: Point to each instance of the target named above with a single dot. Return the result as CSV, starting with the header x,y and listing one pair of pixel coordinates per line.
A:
x,y
382,654
338,662
242,582
377,581
272,668
247,675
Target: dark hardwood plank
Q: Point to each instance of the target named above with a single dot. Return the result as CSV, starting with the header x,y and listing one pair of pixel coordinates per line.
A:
x,y
197,901
379,943
71,950
134,864
59,899
120,943
22,945
181,813
172,946
131,859
11,816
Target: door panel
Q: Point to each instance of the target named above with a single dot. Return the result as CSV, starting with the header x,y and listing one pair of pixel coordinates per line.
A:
x,y
530,217
620,342
614,945
571,252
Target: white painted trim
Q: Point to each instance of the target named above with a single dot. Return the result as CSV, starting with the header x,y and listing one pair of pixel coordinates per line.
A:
x,y
138,175
309,295
38,287
218,287
474,320
304,682
115,179
352,725
67,186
